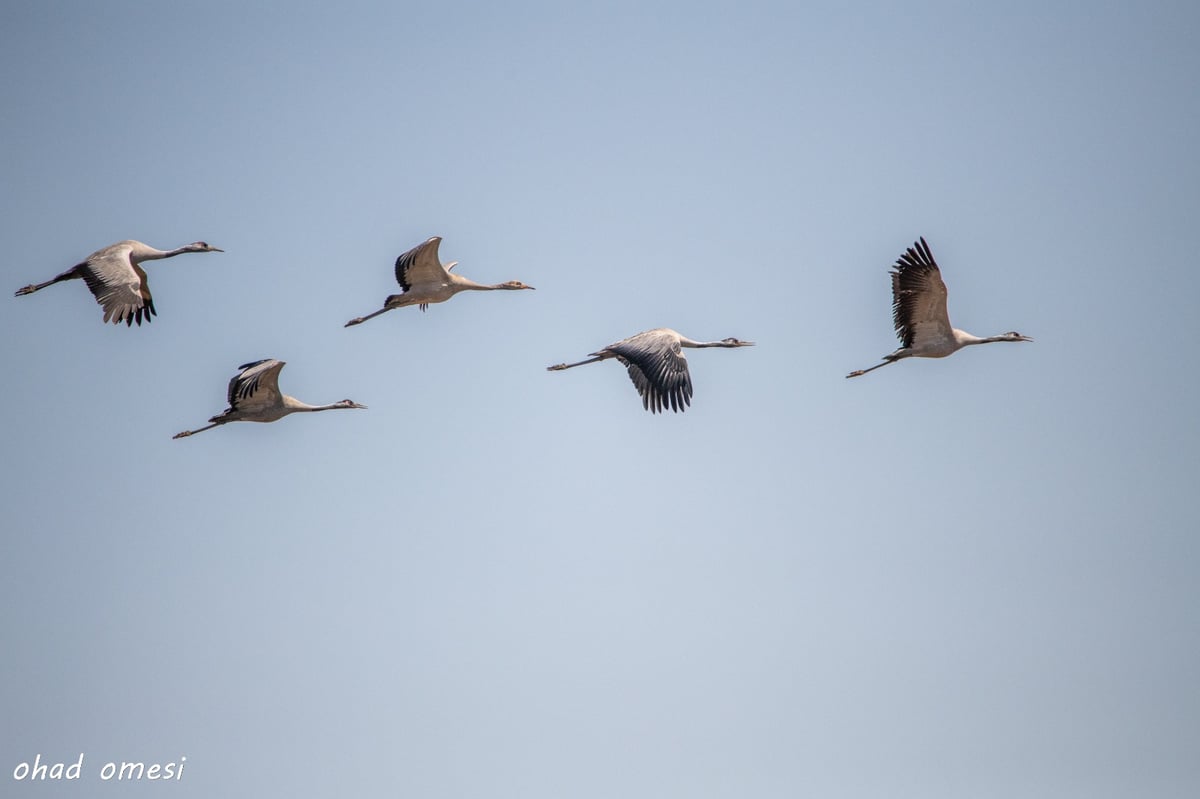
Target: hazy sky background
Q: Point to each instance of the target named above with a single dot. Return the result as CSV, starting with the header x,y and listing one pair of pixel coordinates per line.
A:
x,y
967,577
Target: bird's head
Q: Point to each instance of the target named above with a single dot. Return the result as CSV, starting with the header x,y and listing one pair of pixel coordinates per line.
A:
x,y
202,246
513,285
736,342
349,404
1013,335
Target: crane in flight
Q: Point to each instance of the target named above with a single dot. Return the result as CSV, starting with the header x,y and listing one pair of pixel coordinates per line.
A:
x,y
254,396
118,282
657,366
919,312
424,280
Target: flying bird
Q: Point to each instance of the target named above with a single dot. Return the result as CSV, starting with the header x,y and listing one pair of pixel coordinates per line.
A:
x,y
254,396
114,276
424,280
919,312
657,366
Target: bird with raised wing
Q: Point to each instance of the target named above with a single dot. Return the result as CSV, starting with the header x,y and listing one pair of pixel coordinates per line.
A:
x,y
254,396
657,366
118,282
424,280
919,312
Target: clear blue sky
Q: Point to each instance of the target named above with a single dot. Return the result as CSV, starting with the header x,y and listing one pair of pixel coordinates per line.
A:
x,y
969,577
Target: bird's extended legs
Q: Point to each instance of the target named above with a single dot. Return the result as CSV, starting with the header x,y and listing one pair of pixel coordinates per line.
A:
x,y
32,287
861,372
187,433
359,320
558,367
392,303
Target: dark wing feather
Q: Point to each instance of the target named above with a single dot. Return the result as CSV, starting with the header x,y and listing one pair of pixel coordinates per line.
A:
x,y
659,372
918,296
421,264
256,384
119,286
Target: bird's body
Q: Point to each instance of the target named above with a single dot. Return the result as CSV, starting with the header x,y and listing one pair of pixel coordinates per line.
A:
x,y
118,282
656,365
424,280
254,396
919,312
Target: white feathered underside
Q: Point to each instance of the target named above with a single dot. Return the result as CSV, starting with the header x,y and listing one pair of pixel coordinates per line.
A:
x,y
118,284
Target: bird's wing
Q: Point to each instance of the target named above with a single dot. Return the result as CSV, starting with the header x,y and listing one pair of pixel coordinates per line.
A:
x,y
256,385
119,285
420,265
658,369
919,297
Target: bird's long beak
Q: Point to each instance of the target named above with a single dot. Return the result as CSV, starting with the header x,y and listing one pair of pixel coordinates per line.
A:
x,y
215,249
361,407
1026,338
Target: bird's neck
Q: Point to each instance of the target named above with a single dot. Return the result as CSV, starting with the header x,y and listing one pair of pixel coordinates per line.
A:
x,y
965,339
468,284
990,339
297,406
151,254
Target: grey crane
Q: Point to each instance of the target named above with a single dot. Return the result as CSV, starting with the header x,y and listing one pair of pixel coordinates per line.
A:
x,y
114,276
657,365
424,280
919,312
254,396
